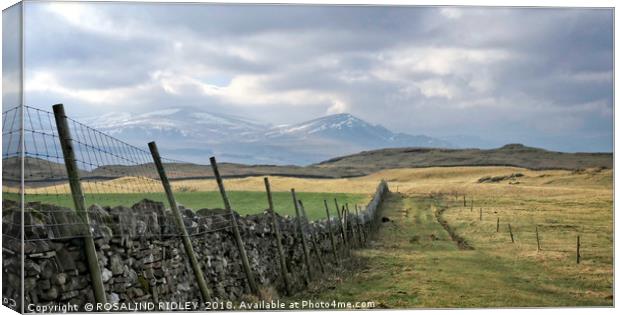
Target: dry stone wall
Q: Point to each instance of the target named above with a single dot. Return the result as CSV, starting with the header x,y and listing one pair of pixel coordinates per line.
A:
x,y
139,265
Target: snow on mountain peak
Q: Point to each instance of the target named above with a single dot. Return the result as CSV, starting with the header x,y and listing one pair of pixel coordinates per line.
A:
x,y
244,140
331,122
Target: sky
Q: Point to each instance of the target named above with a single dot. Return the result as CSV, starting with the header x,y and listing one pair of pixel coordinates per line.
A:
x,y
538,76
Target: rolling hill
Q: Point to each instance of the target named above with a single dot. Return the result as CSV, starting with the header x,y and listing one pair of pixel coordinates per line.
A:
x,y
509,155
359,164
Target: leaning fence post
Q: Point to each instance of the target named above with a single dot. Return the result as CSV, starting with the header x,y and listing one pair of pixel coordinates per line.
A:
x,y
312,237
187,244
340,224
511,236
64,135
345,226
276,230
331,232
303,237
233,219
350,224
578,249
537,239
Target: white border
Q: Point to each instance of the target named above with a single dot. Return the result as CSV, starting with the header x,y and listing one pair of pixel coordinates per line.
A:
x,y
508,3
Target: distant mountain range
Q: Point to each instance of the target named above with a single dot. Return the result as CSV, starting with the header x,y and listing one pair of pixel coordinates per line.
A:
x,y
194,136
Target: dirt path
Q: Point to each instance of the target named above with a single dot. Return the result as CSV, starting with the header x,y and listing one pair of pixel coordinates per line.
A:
x,y
459,240
413,262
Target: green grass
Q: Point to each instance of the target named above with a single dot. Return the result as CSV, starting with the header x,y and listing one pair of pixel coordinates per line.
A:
x,y
412,262
244,202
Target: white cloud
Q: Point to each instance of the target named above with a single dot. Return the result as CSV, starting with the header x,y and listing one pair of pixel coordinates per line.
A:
x,y
47,82
445,60
87,17
338,107
451,13
437,88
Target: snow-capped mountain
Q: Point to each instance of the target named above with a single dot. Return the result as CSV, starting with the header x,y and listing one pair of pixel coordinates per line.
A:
x,y
193,136
184,123
348,128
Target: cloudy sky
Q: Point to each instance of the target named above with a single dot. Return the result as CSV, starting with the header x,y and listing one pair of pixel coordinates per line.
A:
x,y
542,77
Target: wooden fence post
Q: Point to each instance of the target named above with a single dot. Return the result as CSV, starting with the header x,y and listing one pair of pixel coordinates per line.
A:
x,y
313,237
64,136
497,227
537,239
359,227
345,223
351,225
303,237
187,243
578,249
276,229
480,214
244,257
472,204
341,224
464,201
331,233
511,236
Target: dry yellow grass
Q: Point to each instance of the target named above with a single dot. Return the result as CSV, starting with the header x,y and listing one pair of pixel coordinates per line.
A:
x,y
125,184
409,180
413,262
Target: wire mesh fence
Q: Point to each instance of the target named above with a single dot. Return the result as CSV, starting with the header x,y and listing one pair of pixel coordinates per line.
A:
x,y
121,188
11,172
11,152
116,178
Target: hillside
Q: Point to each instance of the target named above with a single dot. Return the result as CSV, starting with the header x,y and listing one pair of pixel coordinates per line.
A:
x,y
509,155
360,164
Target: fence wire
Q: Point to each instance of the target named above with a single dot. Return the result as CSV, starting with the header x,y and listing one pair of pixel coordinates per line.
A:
x,y
11,172
121,187
559,237
11,151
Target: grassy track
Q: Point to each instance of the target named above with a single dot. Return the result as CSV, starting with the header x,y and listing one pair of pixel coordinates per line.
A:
x,y
413,262
245,202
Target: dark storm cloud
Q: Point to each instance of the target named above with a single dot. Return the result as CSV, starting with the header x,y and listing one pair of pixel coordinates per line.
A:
x,y
539,76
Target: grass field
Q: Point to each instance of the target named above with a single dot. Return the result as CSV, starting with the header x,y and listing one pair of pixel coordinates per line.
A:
x,y
413,261
244,202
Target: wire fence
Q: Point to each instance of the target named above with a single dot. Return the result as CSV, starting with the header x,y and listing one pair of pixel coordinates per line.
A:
x,y
553,236
81,183
122,190
11,151
116,178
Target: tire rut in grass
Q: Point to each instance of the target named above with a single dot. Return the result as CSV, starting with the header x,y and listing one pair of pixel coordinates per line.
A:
x,y
459,240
